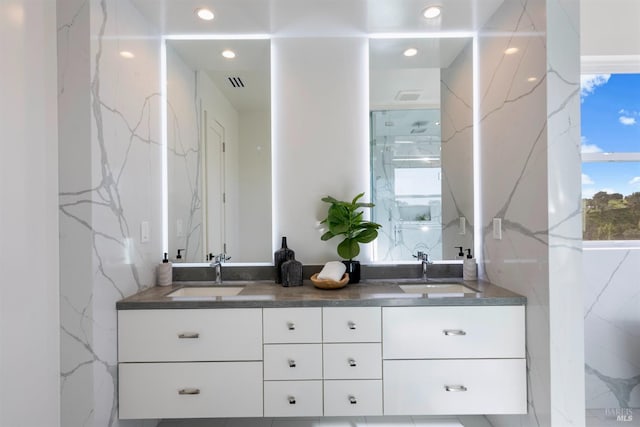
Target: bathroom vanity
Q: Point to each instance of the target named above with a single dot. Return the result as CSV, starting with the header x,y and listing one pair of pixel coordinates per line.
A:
x,y
368,349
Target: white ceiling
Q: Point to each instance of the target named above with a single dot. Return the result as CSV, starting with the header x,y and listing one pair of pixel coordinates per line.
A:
x,y
312,17
307,18
251,65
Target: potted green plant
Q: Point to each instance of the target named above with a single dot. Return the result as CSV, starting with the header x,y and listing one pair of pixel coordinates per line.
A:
x,y
345,219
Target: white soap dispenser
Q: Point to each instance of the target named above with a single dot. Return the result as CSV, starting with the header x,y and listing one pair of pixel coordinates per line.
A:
x,y
164,272
469,267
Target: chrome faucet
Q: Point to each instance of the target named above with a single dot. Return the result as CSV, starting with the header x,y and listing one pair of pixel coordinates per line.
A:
x,y
216,262
424,258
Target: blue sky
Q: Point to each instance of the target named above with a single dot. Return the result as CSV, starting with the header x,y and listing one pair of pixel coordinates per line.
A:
x,y
610,123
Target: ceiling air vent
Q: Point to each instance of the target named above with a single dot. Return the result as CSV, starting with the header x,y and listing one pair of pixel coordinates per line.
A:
x,y
408,95
236,81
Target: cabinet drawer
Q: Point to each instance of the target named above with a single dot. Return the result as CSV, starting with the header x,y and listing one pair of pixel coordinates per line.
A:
x,y
292,325
353,398
351,324
293,361
453,332
292,398
352,361
190,390
437,387
189,335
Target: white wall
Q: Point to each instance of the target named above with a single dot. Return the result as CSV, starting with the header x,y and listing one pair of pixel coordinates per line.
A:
x,y
29,284
609,27
220,109
254,240
320,145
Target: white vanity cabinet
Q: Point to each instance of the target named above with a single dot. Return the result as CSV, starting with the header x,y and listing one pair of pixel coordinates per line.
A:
x,y
190,363
292,361
454,360
322,361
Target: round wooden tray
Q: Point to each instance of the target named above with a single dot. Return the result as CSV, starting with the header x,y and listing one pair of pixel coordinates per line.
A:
x,y
329,284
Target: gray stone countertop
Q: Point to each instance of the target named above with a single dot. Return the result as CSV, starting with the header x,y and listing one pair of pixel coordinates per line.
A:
x,y
379,292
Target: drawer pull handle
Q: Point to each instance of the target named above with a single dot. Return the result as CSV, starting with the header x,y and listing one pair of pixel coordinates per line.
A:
x,y
455,388
189,335
292,400
189,391
352,325
291,326
449,332
352,400
292,363
352,362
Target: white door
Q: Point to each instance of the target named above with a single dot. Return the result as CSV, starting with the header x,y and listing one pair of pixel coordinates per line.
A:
x,y
214,188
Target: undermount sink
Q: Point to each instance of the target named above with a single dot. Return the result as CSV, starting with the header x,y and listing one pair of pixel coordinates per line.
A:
x,y
206,291
436,288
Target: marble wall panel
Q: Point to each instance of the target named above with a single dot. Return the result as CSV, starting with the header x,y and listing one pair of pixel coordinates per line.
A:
x,y
456,89
611,316
109,185
530,116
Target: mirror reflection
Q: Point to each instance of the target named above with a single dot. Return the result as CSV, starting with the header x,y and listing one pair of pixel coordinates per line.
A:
x,y
421,95
219,149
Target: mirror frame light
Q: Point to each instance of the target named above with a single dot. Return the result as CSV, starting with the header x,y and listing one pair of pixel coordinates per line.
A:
x,y
164,113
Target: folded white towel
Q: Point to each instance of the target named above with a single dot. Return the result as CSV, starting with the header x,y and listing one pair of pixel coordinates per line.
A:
x,y
333,270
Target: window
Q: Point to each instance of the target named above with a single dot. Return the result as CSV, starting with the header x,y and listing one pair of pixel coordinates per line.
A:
x,y
610,128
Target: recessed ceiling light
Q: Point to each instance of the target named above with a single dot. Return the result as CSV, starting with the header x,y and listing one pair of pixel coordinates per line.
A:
x,y
432,12
205,14
127,54
229,54
532,79
412,51
511,50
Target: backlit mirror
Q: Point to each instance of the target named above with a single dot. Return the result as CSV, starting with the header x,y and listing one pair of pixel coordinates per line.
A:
x,y
421,112
219,149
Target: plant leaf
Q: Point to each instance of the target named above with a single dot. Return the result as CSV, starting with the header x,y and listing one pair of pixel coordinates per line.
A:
x,y
328,235
367,235
329,199
355,199
364,205
349,248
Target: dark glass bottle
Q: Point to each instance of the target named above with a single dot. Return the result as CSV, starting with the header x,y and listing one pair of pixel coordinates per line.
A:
x,y
280,256
291,273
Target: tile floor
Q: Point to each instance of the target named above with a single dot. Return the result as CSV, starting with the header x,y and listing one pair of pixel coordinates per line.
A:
x,y
469,421
594,418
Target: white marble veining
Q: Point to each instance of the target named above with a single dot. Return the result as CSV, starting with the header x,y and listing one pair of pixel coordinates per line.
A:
x,y
109,185
611,316
456,88
184,130
530,164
